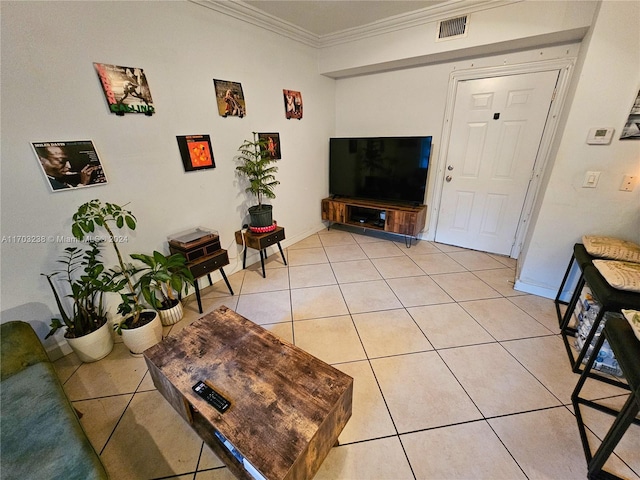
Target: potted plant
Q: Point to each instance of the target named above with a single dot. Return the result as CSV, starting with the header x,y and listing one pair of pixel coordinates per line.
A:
x,y
87,331
140,328
255,165
161,280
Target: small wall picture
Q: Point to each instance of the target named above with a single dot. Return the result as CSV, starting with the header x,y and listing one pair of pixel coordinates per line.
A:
x,y
631,129
126,89
69,165
196,152
271,144
229,98
292,104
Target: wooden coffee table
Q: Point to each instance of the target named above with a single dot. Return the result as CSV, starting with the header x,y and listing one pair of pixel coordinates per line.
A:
x,y
287,406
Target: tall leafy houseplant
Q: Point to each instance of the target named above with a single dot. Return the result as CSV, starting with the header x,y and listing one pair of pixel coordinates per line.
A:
x,y
95,215
87,281
255,164
87,288
161,279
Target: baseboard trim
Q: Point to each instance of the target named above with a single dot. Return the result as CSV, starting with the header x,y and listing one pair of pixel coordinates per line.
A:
x,y
538,290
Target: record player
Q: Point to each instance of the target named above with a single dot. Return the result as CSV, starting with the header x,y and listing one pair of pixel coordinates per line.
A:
x,y
195,243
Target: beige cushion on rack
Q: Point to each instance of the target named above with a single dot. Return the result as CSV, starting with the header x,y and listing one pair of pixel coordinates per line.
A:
x,y
620,275
612,248
633,317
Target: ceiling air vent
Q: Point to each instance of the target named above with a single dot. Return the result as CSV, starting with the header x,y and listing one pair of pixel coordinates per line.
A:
x,y
452,28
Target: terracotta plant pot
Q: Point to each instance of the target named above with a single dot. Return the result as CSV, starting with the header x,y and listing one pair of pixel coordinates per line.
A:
x,y
93,346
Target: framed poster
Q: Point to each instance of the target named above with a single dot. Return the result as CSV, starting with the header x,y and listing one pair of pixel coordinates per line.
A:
x,y
292,104
631,129
196,152
271,144
230,98
69,165
126,89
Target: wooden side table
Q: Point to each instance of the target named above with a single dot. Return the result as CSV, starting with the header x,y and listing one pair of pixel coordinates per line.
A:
x,y
204,266
260,241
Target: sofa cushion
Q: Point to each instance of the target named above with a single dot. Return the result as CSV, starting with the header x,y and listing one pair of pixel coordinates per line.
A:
x,y
611,248
620,275
41,436
20,348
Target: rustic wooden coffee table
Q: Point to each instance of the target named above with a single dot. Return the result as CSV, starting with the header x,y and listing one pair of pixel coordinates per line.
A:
x,y
287,407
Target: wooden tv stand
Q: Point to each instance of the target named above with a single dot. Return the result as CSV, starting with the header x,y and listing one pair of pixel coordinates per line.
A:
x,y
399,218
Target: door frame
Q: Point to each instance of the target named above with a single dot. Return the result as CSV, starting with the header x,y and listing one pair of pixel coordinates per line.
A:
x,y
564,67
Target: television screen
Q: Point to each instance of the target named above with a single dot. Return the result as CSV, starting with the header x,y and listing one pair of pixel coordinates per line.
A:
x,y
379,168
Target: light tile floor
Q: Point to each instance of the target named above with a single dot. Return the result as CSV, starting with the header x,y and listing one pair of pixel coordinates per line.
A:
x,y
457,375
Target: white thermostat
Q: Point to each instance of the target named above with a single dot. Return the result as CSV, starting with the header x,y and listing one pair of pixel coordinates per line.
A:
x,y
600,136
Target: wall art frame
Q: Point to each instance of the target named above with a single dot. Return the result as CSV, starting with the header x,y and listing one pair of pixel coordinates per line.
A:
x,y
196,152
125,88
292,104
631,129
271,144
68,165
230,98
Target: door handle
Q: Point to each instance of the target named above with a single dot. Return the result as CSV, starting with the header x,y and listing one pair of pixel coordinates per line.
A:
x,y
450,167
448,178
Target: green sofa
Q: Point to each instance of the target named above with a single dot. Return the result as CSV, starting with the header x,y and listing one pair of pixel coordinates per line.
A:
x,y
40,435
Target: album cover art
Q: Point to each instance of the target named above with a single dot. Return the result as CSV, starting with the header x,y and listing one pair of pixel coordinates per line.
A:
x,y
230,98
271,144
126,89
196,152
69,165
292,104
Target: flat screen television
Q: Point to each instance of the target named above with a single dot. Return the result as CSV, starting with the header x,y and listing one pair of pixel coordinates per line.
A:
x,y
379,168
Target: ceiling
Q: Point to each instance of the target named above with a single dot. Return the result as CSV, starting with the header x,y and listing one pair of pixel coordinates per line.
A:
x,y
326,17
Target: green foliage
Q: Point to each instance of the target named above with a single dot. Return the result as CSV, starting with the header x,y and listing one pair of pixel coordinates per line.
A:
x,y
255,164
162,277
95,215
87,281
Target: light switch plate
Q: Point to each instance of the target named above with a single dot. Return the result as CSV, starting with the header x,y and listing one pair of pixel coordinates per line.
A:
x,y
591,180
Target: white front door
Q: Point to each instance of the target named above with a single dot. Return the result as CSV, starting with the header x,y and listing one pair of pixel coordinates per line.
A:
x,y
496,129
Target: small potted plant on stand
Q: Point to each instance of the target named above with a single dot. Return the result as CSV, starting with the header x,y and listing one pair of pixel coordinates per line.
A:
x,y
255,165
87,330
160,280
140,328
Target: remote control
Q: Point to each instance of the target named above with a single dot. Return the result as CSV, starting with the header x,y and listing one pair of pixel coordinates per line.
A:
x,y
212,397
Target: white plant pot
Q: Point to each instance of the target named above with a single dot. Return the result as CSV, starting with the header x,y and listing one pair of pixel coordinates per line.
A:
x,y
172,315
137,340
94,346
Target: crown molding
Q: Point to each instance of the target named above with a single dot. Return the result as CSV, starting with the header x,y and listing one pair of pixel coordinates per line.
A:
x,y
416,18
246,13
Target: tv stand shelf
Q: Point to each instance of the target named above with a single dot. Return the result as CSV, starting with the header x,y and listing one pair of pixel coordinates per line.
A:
x,y
399,218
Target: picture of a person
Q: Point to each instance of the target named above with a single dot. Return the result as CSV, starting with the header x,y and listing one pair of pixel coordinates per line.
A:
x,y
233,107
55,163
293,104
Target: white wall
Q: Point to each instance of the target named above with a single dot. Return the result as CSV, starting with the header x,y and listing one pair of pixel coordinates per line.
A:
x,y
604,93
412,100
50,92
492,27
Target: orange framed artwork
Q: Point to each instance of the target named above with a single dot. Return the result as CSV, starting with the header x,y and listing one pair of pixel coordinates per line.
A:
x,y
196,152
